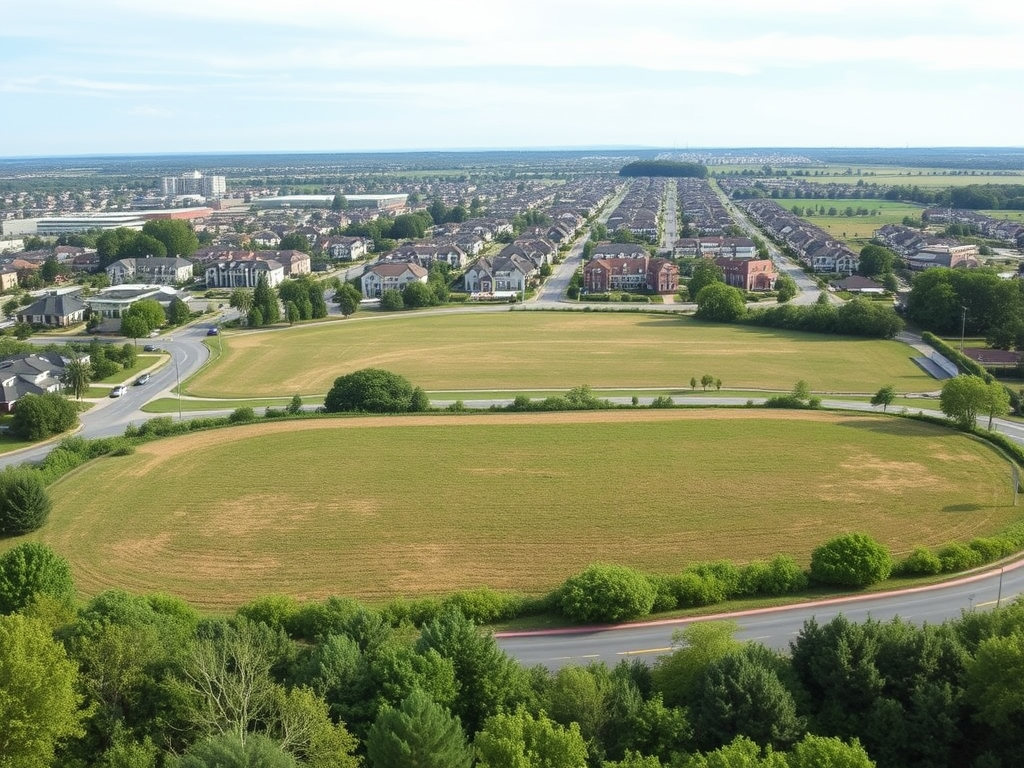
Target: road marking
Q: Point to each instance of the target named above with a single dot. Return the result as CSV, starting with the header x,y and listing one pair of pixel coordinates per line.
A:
x,y
591,656
645,650
990,602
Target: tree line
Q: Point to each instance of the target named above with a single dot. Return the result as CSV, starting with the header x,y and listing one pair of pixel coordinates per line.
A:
x,y
147,682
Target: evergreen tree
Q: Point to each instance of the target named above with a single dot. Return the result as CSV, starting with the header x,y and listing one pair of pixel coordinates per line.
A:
x,y
419,734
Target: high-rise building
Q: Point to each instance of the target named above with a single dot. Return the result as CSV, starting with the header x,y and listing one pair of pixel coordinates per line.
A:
x,y
193,183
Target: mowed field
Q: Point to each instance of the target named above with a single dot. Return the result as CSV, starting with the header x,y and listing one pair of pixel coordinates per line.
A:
x,y
550,350
853,229
376,508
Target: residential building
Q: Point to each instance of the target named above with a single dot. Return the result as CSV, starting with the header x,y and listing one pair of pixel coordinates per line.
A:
x,y
112,302
500,275
55,309
155,270
8,278
391,276
630,273
29,374
243,273
748,274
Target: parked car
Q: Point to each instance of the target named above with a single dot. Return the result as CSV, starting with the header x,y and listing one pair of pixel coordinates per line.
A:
x,y
119,390
143,379
212,332
151,348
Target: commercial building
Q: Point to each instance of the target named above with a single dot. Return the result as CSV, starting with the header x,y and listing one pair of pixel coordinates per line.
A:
x,y
389,203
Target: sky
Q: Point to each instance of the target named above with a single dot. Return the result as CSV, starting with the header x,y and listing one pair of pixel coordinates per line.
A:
x,y
153,76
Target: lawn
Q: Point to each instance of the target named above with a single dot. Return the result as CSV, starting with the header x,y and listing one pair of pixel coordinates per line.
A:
x,y
382,507
551,351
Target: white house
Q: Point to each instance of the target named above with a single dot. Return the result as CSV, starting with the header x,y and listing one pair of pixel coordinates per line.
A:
x,y
391,276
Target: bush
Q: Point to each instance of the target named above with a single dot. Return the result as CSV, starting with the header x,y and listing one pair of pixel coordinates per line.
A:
x,y
375,391
242,415
392,300
483,606
33,569
24,502
991,549
37,417
664,594
606,593
779,576
958,557
852,560
921,562
693,590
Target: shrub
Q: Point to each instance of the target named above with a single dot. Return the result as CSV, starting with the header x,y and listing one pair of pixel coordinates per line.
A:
x,y
693,590
242,415
482,606
606,593
276,611
852,560
29,570
958,557
779,576
24,502
991,549
274,413
372,390
727,574
36,417
664,594
921,562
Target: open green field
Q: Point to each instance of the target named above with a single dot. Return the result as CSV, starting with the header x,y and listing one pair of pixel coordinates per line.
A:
x,y
383,507
551,351
854,228
890,175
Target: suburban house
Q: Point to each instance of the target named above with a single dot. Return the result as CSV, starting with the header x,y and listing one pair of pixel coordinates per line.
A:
x,y
243,273
630,274
748,274
391,276
29,374
55,309
113,301
709,246
294,263
345,248
500,275
154,270
266,238
619,251
426,254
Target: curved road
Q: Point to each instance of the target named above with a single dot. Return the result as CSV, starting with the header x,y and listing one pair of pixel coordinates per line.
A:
x,y
773,627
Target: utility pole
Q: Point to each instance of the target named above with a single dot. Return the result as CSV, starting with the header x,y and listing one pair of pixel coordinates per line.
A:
x,y
963,327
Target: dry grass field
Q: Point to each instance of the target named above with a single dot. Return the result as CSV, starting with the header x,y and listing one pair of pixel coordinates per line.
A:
x,y
551,350
404,506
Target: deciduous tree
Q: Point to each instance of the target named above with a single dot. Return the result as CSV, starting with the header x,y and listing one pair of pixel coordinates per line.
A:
x,y
39,703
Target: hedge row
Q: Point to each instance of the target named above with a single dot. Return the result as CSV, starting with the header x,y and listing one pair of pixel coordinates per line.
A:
x,y
963,362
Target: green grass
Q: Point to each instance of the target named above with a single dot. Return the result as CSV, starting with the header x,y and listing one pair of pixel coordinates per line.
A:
x,y
854,230
889,175
125,375
171,404
520,351
515,502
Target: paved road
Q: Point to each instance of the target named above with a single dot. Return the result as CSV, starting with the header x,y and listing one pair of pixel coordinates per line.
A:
x,y
809,290
774,627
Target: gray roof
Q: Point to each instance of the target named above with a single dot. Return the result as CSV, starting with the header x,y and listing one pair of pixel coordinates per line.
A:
x,y
62,305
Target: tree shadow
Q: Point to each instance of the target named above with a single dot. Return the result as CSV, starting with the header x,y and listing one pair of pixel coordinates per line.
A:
x,y
963,507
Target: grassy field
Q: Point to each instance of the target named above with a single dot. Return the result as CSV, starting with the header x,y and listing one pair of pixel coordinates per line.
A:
x,y
854,230
551,350
892,175
517,502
